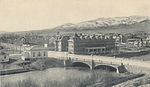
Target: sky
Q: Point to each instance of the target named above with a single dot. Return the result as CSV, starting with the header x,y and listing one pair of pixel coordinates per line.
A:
x,y
24,15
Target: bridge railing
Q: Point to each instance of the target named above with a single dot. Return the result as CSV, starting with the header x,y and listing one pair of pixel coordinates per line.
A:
x,y
103,59
98,61
84,58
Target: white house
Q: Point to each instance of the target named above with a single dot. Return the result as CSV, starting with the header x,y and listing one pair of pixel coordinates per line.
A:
x,y
35,52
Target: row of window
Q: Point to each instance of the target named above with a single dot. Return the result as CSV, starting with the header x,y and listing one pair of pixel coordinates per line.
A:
x,y
39,54
95,50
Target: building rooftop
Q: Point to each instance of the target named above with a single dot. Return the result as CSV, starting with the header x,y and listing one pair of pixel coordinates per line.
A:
x,y
37,47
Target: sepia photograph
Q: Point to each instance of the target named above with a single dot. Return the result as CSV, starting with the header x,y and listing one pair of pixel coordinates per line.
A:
x,y
74,43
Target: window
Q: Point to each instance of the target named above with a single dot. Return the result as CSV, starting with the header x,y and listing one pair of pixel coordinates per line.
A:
x,y
86,50
44,53
103,49
5,57
91,50
39,54
33,54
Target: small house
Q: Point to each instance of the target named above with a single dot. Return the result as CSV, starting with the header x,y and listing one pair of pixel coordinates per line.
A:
x,y
35,52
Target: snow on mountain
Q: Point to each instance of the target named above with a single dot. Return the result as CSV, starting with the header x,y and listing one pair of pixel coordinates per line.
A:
x,y
105,22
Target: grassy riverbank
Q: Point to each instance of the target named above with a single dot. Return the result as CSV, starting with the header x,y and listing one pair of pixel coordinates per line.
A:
x,y
33,64
138,82
46,63
73,79
20,66
67,78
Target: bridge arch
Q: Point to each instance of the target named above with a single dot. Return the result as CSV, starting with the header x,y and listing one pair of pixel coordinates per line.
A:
x,y
81,64
106,67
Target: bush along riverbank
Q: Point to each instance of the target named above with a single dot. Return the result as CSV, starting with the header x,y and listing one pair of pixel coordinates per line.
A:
x,y
45,63
34,65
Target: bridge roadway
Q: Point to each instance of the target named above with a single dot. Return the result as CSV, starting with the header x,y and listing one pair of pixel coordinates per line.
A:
x,y
104,59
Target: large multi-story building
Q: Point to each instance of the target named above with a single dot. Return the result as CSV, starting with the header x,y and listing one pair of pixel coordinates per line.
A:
x,y
90,44
61,43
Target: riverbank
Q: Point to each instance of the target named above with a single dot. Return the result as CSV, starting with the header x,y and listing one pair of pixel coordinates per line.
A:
x,y
13,71
138,82
36,65
96,76
61,77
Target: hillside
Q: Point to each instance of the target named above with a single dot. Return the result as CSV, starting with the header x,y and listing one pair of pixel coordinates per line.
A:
x,y
117,24
2,32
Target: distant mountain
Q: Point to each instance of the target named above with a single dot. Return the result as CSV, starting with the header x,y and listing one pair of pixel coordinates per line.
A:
x,y
103,25
133,23
2,32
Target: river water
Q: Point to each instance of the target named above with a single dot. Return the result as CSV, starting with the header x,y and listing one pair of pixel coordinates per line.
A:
x,y
51,74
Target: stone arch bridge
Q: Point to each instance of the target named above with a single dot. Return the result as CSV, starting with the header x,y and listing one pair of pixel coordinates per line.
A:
x,y
95,65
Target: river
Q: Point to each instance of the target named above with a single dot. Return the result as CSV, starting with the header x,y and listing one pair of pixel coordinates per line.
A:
x,y
51,74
